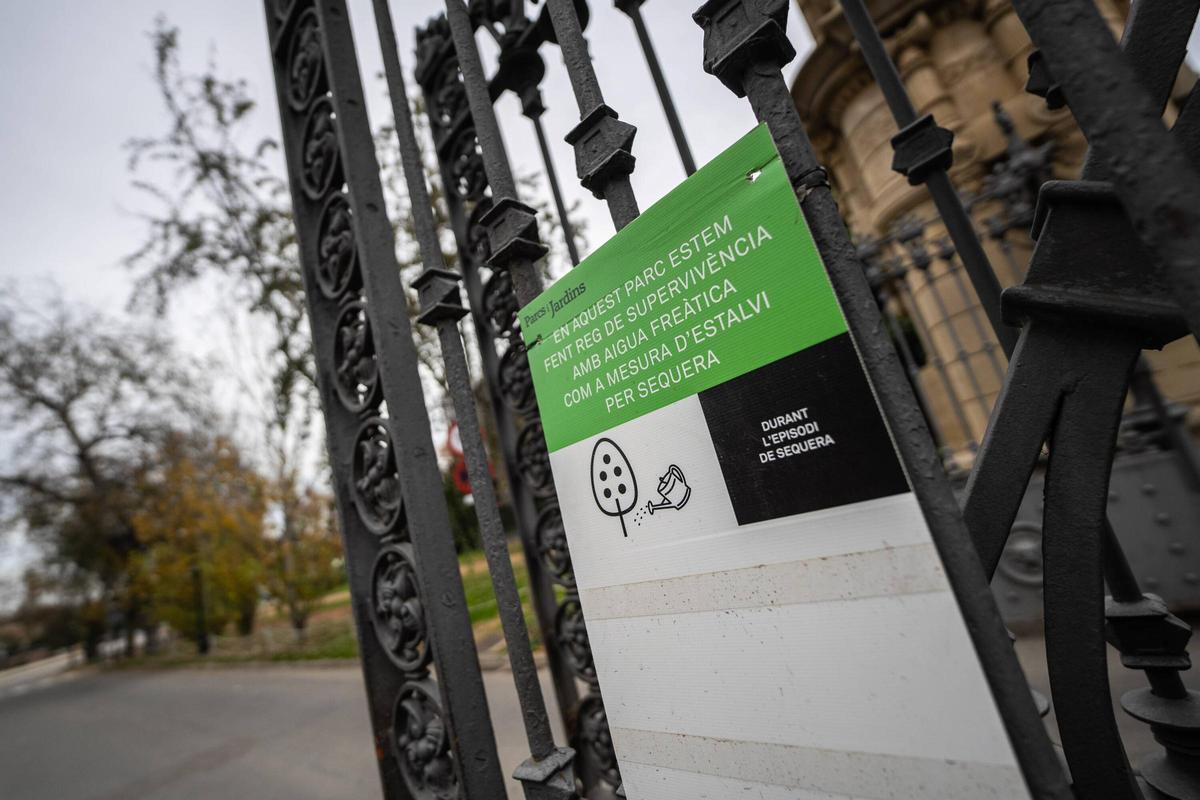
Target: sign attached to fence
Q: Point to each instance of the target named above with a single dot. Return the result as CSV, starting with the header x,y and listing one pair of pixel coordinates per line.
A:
x,y
765,604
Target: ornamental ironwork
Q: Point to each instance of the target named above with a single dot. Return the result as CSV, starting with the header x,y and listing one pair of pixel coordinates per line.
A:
x,y
571,634
499,302
394,522
516,382
535,460
552,545
322,164
422,743
355,364
337,268
397,611
466,168
376,480
306,63
593,729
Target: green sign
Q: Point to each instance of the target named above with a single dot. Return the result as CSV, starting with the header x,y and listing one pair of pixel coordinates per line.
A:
x,y
718,278
733,502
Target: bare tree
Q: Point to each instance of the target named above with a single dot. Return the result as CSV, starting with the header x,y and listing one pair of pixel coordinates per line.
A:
x,y
223,208
84,400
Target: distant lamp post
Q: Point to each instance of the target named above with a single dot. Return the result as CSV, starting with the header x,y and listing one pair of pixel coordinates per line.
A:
x,y
201,619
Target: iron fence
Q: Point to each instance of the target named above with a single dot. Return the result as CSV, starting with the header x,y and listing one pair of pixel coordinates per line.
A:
x,y
1043,381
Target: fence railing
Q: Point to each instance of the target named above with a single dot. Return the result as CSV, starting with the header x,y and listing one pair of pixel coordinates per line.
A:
x,y
1116,269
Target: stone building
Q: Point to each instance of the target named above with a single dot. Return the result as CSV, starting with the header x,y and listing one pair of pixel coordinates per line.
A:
x,y
964,61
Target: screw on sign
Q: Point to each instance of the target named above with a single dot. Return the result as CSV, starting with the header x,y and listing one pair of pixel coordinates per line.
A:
x,y
613,484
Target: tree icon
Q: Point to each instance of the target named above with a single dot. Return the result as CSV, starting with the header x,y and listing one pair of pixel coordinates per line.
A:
x,y
613,484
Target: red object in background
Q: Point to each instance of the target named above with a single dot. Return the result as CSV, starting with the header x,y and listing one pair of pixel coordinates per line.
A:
x,y
454,441
459,468
459,471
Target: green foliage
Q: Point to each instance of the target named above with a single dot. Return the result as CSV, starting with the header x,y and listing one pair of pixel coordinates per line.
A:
x,y
305,562
481,598
201,529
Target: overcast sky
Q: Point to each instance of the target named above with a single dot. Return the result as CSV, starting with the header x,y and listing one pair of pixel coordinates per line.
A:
x,y
77,86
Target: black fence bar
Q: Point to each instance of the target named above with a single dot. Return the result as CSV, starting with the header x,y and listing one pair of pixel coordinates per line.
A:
x,y
604,164
1081,453
633,9
1158,184
426,517
748,58
923,155
431,737
548,773
494,306
514,246
603,157
988,515
520,70
510,386
592,722
508,377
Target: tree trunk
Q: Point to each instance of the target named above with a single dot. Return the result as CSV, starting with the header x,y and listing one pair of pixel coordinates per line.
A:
x,y
151,632
300,625
201,618
246,614
91,642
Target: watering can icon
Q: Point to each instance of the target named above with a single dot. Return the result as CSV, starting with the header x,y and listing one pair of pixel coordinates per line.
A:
x,y
673,489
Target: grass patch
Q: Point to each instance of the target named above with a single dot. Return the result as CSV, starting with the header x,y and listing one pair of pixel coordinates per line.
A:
x,y
330,634
336,643
481,599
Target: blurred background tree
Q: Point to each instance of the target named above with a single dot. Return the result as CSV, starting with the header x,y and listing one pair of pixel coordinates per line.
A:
x,y
200,530
304,563
85,402
145,516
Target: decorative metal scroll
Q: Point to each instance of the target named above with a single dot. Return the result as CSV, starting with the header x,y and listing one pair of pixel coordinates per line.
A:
x,y
376,424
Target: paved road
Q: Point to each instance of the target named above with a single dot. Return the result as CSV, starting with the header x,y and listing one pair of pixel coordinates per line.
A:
x,y
290,733
264,733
